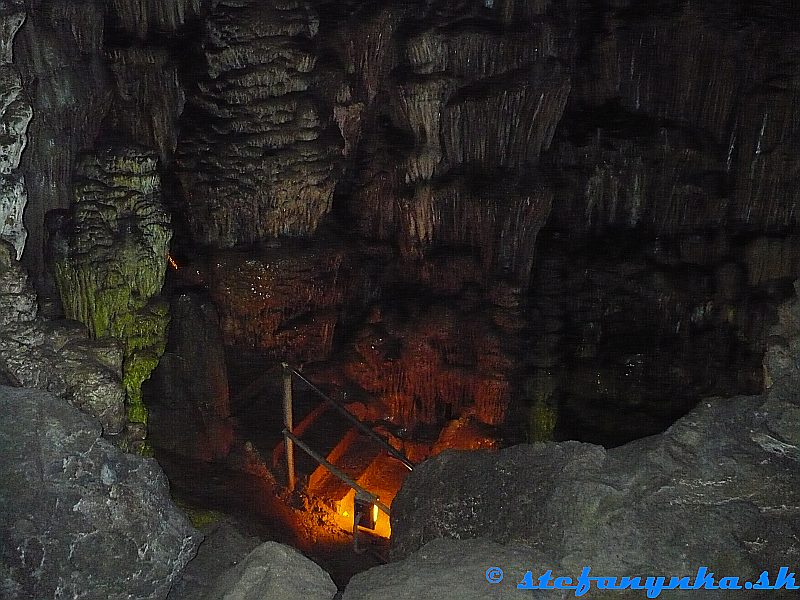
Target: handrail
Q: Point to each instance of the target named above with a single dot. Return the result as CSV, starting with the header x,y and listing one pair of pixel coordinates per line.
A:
x,y
333,469
364,428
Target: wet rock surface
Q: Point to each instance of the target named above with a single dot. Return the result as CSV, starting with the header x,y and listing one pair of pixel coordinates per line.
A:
x,y
78,516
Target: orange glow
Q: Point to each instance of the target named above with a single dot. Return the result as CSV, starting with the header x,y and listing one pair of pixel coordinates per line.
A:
x,y
172,262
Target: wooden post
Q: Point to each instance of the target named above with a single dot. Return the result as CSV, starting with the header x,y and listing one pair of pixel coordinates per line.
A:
x,y
288,422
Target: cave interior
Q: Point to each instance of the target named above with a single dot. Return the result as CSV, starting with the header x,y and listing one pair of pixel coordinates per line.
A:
x,y
470,223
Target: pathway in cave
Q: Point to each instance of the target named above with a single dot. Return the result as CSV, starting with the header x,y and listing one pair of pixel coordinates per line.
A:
x,y
241,487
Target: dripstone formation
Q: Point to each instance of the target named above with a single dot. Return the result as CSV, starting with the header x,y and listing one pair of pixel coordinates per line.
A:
x,y
258,152
110,255
15,115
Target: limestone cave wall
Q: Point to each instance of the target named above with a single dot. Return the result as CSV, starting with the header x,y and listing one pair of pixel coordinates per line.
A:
x,y
512,189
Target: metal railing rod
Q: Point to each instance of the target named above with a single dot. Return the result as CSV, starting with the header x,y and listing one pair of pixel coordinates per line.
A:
x,y
361,426
333,469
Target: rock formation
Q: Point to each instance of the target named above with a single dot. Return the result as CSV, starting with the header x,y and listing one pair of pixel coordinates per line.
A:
x,y
56,356
189,390
80,518
258,153
58,53
273,570
111,260
15,115
285,301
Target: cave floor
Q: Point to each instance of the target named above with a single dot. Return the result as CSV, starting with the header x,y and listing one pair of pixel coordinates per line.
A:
x,y
255,504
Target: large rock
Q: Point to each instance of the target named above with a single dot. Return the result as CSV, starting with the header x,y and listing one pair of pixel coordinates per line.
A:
x,y
447,569
224,547
720,487
78,518
273,570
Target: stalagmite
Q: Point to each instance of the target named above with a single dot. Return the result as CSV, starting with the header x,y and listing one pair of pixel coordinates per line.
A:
x,y
111,269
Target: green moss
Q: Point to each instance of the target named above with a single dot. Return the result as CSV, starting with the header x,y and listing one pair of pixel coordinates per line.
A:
x,y
542,422
200,517
110,282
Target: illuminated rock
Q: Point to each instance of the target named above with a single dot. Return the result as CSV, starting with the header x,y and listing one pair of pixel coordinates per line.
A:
x,y
13,199
285,301
15,115
433,368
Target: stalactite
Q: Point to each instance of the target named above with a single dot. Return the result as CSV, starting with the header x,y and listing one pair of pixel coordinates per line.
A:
x,y
471,54
257,158
768,165
368,46
658,183
420,104
505,123
148,97
491,401
142,17
501,223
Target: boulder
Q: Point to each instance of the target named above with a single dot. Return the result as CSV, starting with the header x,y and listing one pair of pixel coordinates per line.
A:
x,y
223,548
717,489
78,518
273,570
446,569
